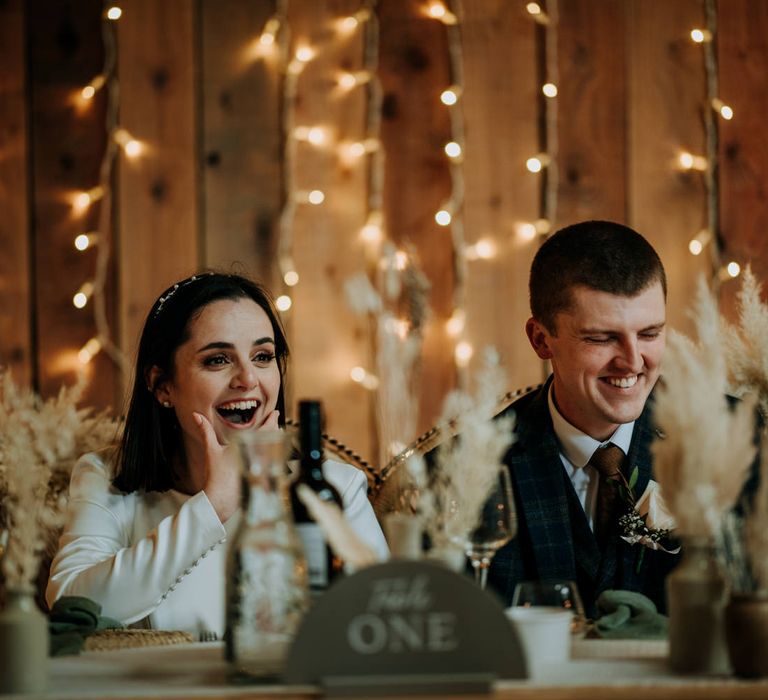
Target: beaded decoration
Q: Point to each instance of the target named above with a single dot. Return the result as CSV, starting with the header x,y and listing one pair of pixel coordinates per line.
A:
x,y
168,293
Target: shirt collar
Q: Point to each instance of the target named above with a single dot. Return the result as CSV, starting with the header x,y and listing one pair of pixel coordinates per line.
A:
x,y
579,447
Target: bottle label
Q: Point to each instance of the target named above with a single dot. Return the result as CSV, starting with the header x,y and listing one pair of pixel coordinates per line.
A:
x,y
316,553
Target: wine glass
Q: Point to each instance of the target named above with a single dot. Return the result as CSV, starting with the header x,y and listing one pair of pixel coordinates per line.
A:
x,y
552,594
496,525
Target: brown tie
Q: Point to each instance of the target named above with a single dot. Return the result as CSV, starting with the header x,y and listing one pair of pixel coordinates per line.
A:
x,y
607,461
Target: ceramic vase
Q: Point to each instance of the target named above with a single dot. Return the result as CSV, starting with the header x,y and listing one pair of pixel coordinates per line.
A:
x,y
746,629
23,644
697,595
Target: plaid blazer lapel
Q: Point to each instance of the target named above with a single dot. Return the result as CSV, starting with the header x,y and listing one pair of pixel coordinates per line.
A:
x,y
539,478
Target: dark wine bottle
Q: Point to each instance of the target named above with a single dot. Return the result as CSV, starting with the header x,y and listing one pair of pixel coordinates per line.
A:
x,y
323,565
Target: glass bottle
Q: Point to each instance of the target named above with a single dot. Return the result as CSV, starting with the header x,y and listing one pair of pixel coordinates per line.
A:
x,y
266,569
323,565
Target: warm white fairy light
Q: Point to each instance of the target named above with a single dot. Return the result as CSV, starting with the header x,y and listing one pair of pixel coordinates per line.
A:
x,y
83,241
361,376
283,302
449,96
696,245
733,269
93,87
89,351
463,353
348,80
114,13
549,89
483,249
443,217
689,161
372,232
81,297
452,149
291,278
83,200
701,36
131,146
535,164
316,197
724,110
454,326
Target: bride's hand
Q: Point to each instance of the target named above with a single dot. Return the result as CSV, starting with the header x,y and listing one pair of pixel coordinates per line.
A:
x,y
222,471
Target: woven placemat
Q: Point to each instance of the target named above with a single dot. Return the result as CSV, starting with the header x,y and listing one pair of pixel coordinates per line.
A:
x,y
107,640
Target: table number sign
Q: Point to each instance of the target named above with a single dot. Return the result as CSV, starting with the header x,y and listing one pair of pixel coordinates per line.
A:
x,y
405,627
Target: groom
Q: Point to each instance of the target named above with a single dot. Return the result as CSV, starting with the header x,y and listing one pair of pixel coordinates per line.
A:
x,y
598,296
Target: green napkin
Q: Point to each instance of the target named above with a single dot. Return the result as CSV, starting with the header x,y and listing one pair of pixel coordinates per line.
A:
x,y
71,620
629,615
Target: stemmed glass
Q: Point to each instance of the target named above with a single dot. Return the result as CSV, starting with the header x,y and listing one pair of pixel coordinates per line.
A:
x,y
496,526
552,594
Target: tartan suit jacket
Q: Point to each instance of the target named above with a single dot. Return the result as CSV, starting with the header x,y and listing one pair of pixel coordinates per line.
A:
x,y
554,540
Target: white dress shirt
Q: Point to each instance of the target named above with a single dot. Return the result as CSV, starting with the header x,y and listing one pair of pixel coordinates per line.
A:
x,y
158,559
577,448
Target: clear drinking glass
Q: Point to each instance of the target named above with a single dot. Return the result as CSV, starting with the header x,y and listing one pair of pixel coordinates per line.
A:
x,y
552,594
496,526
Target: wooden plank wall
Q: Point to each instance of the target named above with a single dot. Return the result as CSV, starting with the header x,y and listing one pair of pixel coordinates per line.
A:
x,y
15,283
206,191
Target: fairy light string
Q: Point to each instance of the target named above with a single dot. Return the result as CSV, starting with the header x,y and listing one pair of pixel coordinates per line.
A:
x,y
709,164
117,139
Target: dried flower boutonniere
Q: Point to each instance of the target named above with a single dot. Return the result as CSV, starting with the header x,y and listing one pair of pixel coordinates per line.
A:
x,y
646,520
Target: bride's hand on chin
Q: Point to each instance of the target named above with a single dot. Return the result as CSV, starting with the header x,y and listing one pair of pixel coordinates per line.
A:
x,y
222,471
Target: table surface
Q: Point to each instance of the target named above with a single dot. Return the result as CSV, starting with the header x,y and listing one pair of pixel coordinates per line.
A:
x,y
598,669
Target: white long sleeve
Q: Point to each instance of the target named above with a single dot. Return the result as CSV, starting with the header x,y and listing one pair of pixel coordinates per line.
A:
x,y
162,556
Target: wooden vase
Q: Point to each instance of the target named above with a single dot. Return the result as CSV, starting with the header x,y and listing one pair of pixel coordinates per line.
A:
x,y
746,629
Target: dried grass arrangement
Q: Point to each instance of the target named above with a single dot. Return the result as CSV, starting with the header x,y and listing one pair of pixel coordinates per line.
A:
x,y
39,443
398,311
452,492
747,356
704,459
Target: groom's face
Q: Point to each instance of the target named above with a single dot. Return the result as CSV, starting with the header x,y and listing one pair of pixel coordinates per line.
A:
x,y
605,353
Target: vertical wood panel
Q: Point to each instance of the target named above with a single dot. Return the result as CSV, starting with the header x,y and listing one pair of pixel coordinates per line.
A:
x,y
501,114
67,139
414,70
15,289
743,58
327,338
666,98
592,111
241,138
158,212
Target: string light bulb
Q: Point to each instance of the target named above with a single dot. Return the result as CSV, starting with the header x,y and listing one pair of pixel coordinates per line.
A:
x,y
536,13
701,36
454,326
81,297
283,302
83,241
83,200
549,89
452,149
443,217
93,87
131,147
463,353
696,244
316,197
450,96
361,376
372,231
114,13
724,110
291,278
483,249
688,161
537,163
89,351
348,80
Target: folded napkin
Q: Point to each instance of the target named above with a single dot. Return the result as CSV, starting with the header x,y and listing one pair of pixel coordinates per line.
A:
x,y
71,620
628,615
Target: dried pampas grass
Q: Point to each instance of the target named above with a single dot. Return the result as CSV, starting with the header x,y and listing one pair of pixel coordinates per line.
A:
x,y
703,462
746,344
466,467
398,311
39,442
